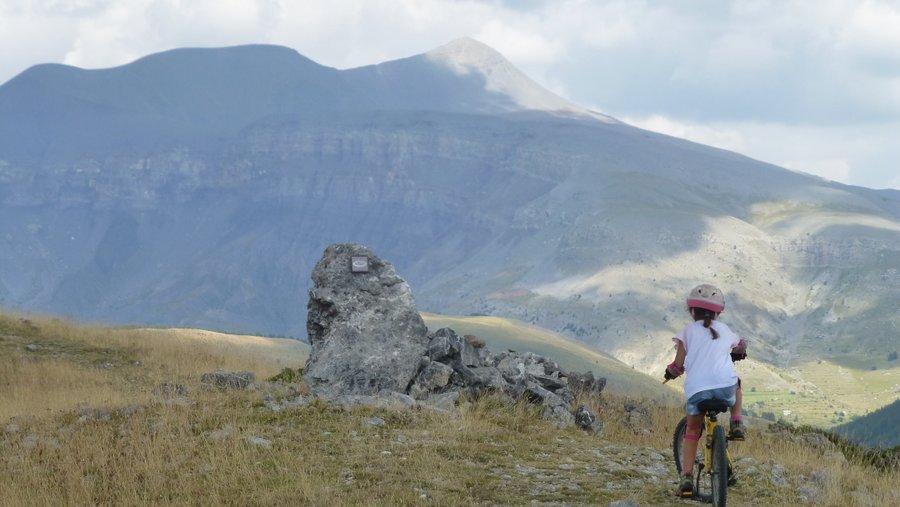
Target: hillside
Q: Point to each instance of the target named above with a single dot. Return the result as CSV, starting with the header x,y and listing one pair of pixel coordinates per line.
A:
x,y
196,187
876,429
50,365
92,415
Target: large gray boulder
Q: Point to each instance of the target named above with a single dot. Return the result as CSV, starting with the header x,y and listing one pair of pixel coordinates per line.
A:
x,y
365,333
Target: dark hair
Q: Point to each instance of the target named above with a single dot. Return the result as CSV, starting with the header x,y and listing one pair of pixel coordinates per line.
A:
x,y
706,316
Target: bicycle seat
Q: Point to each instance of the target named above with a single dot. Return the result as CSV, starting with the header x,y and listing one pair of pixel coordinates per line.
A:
x,y
716,406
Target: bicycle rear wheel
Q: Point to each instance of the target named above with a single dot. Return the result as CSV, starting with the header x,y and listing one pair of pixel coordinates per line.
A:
x,y
719,469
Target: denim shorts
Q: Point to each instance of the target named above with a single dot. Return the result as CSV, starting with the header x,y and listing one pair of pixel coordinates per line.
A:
x,y
728,394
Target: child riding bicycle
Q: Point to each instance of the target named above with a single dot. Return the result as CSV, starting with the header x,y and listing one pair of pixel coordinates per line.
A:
x,y
706,350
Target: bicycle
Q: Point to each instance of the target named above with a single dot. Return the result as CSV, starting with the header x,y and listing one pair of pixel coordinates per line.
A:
x,y
720,474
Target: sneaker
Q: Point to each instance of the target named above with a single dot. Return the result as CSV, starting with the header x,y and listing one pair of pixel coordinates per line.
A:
x,y
736,431
686,487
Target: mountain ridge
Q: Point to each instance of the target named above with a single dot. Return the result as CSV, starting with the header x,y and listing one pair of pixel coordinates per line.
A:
x,y
213,91
591,228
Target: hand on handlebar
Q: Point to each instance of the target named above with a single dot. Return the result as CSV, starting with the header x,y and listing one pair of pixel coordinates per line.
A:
x,y
673,371
739,351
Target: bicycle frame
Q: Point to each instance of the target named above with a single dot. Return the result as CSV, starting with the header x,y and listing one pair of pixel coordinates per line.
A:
x,y
710,419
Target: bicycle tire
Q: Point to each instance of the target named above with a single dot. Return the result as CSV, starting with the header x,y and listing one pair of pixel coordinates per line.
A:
x,y
719,469
678,442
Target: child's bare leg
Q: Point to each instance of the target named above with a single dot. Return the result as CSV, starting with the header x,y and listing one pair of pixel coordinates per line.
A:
x,y
691,440
736,409
736,431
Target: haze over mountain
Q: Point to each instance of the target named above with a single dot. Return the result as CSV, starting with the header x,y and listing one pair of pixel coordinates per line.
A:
x,y
197,187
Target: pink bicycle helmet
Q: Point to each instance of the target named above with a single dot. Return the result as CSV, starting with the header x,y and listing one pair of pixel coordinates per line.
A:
x,y
707,297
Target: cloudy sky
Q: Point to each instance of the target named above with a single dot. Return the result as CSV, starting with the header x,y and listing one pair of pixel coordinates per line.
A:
x,y
809,85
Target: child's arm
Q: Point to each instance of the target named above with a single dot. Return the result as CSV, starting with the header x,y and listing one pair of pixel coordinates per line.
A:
x,y
676,367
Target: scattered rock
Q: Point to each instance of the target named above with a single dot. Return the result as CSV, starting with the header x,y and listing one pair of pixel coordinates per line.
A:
x,y
131,410
94,414
810,493
624,503
178,402
277,406
586,420
167,389
220,434
384,399
551,382
260,442
432,378
446,346
376,422
442,401
638,419
228,379
526,470
30,441
820,477
814,488
777,477
32,347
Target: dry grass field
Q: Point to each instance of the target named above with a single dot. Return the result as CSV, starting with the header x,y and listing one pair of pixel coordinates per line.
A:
x,y
83,422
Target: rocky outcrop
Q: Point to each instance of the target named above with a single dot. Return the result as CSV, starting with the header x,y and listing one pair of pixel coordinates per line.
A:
x,y
365,333
370,346
454,365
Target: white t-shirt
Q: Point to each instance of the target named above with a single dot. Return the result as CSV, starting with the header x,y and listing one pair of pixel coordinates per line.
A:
x,y
708,362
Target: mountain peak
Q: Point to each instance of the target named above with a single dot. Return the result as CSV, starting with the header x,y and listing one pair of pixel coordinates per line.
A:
x,y
466,56
468,53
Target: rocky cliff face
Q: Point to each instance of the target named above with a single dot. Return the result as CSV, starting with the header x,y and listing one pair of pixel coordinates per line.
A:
x,y
190,213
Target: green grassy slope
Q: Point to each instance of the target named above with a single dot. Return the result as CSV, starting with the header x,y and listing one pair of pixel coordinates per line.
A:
x,y
819,393
502,334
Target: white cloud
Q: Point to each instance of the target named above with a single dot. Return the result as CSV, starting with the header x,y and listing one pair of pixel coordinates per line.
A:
x,y
872,28
519,44
894,183
738,58
836,153
832,169
718,135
